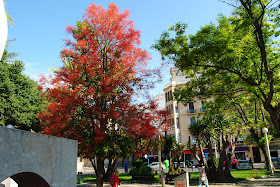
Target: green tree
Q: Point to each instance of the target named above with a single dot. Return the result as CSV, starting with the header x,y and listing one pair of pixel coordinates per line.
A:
x,y
215,128
172,150
240,51
19,96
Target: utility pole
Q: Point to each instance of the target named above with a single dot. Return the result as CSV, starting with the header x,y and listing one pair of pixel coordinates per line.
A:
x,y
265,131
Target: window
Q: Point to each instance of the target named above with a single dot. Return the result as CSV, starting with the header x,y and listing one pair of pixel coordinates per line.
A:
x,y
178,123
170,123
168,96
191,108
192,120
193,140
179,138
203,108
170,109
176,108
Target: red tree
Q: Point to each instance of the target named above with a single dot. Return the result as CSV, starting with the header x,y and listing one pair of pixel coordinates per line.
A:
x,y
90,97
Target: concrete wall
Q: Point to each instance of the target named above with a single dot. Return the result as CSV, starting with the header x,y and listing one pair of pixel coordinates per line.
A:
x,y
33,159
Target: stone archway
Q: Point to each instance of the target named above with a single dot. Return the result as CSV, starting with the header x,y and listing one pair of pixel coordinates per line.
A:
x,y
28,179
32,159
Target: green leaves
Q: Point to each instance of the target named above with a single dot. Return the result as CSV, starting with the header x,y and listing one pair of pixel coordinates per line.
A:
x,y
239,55
20,100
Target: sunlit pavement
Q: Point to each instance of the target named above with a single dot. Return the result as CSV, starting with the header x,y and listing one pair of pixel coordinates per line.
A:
x,y
270,181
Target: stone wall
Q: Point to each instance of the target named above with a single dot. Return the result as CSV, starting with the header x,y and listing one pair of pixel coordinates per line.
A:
x,y
34,158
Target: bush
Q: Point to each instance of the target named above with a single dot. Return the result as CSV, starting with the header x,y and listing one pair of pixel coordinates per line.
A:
x,y
144,169
133,171
216,162
137,163
172,171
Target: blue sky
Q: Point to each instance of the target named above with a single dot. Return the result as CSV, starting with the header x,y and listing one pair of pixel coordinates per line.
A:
x,y
40,26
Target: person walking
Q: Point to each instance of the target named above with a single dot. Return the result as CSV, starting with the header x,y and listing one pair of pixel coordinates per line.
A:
x,y
115,181
202,174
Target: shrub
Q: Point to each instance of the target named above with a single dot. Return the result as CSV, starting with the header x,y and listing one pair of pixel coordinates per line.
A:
x,y
137,163
144,169
172,171
133,171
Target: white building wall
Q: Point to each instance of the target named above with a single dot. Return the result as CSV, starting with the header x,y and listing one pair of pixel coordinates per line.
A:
x,y
177,80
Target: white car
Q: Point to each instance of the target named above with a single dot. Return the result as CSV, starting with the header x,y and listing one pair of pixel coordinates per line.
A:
x,y
243,164
155,166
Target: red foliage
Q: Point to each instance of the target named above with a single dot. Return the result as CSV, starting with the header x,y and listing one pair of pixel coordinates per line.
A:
x,y
92,93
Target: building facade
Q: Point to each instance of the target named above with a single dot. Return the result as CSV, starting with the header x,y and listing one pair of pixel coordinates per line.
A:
x,y
180,117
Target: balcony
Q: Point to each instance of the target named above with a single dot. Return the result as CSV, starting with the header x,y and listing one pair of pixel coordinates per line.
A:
x,y
191,111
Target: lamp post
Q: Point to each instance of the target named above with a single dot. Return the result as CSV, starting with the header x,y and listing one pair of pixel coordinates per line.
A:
x,y
265,131
3,28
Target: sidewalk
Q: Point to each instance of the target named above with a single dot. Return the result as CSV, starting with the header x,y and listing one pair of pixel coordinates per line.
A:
x,y
269,181
273,180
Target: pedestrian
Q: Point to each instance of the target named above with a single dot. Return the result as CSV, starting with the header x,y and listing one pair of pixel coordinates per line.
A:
x,y
202,174
115,181
251,163
234,163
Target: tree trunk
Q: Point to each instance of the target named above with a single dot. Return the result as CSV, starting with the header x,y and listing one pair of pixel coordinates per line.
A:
x,y
171,165
274,115
227,173
212,171
123,160
92,161
100,172
112,166
224,175
220,171
202,153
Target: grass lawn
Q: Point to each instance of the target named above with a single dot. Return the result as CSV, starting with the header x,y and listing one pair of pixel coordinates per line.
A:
x,y
239,175
122,177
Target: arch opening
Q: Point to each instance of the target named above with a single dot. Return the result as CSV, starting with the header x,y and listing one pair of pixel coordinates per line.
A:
x,y
28,179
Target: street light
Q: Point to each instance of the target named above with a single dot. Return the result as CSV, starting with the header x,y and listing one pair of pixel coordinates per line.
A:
x,y
265,131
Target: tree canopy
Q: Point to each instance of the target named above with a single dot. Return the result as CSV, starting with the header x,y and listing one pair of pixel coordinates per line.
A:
x,y
92,96
238,56
19,96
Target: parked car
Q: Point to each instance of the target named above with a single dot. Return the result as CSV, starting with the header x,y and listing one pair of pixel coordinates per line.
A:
x,y
155,166
243,164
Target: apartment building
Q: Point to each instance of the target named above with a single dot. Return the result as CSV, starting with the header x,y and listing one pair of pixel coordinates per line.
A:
x,y
180,117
